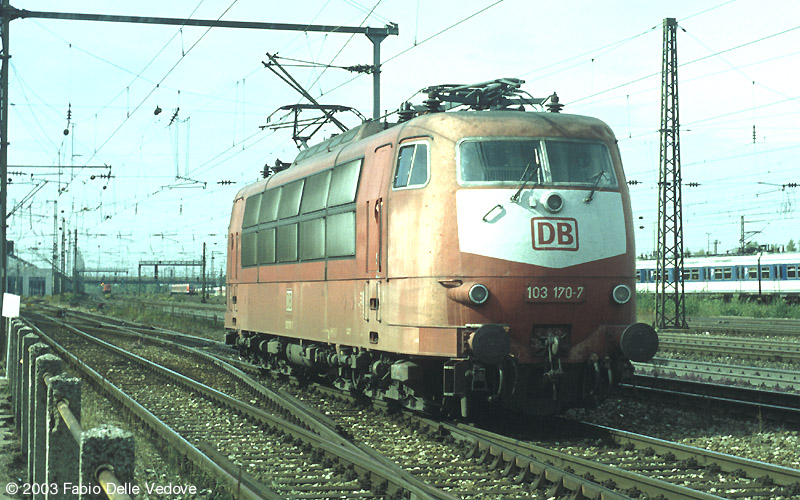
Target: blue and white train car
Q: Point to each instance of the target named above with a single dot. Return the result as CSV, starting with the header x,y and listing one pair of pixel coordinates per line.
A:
x,y
765,274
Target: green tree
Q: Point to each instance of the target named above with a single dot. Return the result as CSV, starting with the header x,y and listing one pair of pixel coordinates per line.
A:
x,y
791,246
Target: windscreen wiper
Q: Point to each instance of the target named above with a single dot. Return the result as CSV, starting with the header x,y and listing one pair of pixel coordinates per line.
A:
x,y
527,177
597,180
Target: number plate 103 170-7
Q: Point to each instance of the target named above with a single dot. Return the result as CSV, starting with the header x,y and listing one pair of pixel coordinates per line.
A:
x,y
553,292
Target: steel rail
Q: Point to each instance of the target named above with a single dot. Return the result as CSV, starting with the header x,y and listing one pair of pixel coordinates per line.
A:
x,y
714,397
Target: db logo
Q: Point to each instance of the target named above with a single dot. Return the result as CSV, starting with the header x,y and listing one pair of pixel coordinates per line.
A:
x,y
557,233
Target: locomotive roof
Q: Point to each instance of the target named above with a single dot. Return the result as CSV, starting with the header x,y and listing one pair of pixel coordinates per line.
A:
x,y
451,125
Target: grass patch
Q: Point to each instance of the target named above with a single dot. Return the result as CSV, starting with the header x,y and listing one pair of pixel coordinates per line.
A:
x,y
704,306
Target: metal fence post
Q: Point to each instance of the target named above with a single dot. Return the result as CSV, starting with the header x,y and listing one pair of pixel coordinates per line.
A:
x,y
46,364
27,341
105,448
35,351
19,357
63,451
13,366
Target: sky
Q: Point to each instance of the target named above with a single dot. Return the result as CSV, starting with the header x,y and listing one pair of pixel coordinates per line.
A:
x,y
137,185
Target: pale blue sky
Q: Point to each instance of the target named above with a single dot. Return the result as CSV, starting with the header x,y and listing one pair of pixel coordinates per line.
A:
x,y
738,70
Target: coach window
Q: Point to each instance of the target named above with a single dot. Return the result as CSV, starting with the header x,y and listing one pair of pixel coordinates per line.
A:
x,y
269,205
344,183
791,271
286,244
752,273
728,272
249,249
265,251
412,166
315,194
764,272
251,208
290,199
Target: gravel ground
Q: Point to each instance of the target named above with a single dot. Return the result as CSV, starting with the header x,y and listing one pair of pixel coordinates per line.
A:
x,y
12,464
703,428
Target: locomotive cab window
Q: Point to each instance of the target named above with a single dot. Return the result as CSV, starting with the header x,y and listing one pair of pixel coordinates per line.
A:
x,y
537,161
412,166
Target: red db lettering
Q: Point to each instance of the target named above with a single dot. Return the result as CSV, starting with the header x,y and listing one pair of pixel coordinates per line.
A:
x,y
554,233
565,234
546,233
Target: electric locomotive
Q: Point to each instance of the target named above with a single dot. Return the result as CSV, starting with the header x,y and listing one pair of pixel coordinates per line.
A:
x,y
454,260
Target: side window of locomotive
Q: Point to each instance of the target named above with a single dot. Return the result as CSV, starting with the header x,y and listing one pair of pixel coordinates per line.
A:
x,y
249,249
290,199
270,200
312,239
315,194
412,166
340,235
344,183
251,209
577,162
286,248
265,252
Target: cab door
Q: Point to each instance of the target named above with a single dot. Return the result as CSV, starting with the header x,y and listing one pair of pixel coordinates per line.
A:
x,y
375,175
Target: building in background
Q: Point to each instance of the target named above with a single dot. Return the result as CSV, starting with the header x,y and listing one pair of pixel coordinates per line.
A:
x,y
28,280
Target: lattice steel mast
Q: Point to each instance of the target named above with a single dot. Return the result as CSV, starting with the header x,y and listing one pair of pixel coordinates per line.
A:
x,y
670,305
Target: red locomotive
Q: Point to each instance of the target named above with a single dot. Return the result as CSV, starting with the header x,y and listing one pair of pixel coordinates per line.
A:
x,y
452,260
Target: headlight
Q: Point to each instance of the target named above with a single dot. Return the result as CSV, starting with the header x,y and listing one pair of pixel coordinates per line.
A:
x,y
552,201
478,293
621,294
470,294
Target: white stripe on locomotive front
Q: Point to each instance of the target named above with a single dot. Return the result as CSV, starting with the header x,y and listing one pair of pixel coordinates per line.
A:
x,y
507,233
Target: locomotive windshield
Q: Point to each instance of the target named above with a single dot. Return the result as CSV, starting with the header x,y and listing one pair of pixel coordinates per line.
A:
x,y
564,162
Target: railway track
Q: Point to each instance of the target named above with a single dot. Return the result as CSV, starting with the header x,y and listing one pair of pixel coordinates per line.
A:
x,y
763,349
749,377
737,325
249,444
639,465
521,470
444,477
